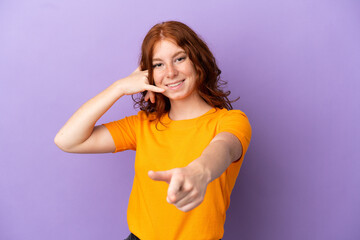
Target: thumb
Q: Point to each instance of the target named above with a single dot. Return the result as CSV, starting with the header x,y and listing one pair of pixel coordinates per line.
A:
x,y
138,69
161,175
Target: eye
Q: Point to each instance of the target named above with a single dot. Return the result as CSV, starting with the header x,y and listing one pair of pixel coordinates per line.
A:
x,y
180,59
157,65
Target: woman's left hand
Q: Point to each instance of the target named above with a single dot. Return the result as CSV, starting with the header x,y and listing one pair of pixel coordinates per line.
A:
x,y
187,185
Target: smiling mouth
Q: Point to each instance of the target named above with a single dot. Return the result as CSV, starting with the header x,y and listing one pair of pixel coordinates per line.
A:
x,y
175,84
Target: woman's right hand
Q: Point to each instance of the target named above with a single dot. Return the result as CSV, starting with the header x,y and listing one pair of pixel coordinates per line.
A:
x,y
138,82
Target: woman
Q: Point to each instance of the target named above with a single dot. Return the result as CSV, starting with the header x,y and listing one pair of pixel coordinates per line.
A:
x,y
189,144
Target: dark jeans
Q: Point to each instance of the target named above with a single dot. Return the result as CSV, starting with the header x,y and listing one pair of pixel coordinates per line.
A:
x,y
133,237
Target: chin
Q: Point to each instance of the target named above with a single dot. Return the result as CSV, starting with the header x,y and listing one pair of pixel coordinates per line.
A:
x,y
179,97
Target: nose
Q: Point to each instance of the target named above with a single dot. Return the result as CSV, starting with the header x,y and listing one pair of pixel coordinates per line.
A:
x,y
171,71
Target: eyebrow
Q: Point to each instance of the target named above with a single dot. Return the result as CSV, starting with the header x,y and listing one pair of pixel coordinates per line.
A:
x,y
158,59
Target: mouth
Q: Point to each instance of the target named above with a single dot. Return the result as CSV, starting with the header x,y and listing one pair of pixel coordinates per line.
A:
x,y
175,84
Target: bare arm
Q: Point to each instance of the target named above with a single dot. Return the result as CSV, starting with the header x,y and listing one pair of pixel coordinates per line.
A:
x,y
187,185
224,149
79,134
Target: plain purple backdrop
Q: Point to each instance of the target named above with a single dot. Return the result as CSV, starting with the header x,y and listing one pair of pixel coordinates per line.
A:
x,y
295,65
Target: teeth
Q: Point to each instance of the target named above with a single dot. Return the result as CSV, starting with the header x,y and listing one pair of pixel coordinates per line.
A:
x,y
175,84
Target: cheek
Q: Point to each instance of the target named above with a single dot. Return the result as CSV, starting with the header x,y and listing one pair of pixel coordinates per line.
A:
x,y
190,70
157,78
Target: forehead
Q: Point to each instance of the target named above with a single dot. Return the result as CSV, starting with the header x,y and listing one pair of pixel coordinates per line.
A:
x,y
165,48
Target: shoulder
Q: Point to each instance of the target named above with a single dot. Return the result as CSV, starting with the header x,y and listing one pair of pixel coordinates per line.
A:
x,y
235,114
144,116
129,119
234,121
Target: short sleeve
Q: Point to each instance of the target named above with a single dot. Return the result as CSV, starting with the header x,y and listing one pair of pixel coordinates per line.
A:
x,y
123,133
237,123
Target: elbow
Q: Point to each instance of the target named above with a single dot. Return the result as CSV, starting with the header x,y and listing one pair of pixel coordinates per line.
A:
x,y
57,141
60,144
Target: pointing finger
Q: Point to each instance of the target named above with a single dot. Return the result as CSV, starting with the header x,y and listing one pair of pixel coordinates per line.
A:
x,y
160,176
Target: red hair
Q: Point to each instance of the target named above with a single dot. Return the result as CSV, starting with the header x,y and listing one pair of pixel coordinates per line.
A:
x,y
208,82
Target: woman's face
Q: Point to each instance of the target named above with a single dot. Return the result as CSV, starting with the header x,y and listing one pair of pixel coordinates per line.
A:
x,y
173,71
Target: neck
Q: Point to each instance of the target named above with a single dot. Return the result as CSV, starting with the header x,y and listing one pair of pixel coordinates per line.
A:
x,y
188,108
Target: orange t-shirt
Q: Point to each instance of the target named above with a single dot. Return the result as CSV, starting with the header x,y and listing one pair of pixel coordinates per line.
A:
x,y
159,148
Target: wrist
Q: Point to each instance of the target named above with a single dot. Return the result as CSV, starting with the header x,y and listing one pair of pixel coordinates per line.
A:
x,y
118,87
198,167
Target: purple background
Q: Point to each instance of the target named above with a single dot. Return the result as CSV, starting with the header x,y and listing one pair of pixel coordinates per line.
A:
x,y
295,65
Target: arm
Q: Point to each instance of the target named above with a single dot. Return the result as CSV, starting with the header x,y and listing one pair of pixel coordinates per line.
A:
x,y
187,186
224,149
79,134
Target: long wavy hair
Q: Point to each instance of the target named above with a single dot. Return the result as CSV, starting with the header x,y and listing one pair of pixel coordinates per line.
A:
x,y
208,84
